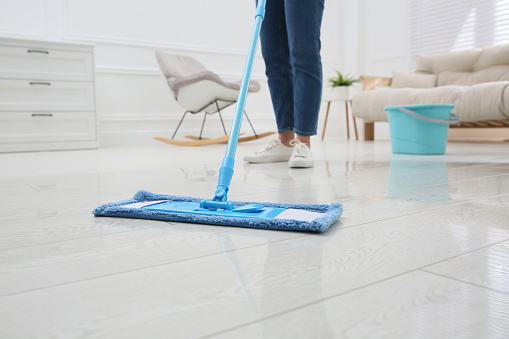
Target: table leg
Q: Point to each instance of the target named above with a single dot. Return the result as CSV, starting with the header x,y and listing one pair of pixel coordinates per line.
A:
x,y
326,117
347,123
354,124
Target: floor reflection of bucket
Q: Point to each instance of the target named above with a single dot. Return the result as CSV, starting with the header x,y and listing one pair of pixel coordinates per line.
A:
x,y
422,181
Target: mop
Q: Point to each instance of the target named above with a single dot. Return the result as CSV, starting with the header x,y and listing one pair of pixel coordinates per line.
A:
x,y
218,210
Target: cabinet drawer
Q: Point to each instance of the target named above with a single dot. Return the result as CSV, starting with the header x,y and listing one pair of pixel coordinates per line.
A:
x,y
45,63
25,95
17,127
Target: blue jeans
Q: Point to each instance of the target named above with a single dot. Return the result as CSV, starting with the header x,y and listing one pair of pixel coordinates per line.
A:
x,y
290,41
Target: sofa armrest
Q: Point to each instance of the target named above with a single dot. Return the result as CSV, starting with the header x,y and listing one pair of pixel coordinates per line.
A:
x,y
370,82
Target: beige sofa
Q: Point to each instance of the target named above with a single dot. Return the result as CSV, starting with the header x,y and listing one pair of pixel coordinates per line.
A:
x,y
475,81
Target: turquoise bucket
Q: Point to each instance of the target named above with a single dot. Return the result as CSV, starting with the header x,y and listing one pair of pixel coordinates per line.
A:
x,y
420,129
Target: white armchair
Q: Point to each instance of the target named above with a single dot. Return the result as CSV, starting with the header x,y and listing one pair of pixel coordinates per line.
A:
x,y
199,90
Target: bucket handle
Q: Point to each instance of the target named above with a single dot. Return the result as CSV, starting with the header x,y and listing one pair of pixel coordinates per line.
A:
x,y
453,121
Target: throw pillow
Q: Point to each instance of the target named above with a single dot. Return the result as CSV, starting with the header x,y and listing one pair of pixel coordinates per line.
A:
x,y
413,80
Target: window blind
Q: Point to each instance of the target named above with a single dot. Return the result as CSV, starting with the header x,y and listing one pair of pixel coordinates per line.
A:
x,y
451,25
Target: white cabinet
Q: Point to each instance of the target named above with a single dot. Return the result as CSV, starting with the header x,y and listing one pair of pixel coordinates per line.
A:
x,y
47,99
45,63
26,127
23,95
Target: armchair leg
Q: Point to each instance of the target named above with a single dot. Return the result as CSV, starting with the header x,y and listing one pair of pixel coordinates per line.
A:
x,y
203,124
180,123
369,130
250,124
221,117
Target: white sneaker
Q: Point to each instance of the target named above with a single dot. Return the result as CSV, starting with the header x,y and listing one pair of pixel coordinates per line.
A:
x,y
301,156
274,151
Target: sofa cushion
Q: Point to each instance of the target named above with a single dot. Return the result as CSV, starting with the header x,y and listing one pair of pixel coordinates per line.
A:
x,y
462,61
467,68
494,73
371,105
455,78
413,80
472,103
486,101
492,56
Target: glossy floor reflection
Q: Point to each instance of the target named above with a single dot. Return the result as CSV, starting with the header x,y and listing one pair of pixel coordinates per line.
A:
x,y
420,252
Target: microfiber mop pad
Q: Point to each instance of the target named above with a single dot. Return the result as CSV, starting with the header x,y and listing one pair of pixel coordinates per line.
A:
x,y
299,217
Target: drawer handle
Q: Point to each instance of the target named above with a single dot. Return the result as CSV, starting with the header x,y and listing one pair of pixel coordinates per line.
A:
x,y
37,51
42,114
40,83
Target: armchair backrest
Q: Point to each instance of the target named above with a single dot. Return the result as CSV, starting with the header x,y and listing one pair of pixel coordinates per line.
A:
x,y
176,67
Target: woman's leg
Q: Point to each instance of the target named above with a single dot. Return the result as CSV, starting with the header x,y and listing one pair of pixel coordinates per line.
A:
x,y
276,54
303,22
294,77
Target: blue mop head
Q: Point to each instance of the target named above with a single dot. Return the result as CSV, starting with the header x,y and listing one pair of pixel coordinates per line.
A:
x,y
126,209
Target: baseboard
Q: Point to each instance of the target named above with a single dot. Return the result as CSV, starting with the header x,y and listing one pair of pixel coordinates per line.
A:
x,y
140,129
47,146
141,132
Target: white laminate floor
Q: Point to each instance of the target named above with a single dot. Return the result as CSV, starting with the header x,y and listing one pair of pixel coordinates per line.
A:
x,y
421,251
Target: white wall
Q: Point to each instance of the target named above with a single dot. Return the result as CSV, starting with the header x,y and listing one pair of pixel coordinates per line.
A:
x,y
133,101
375,36
384,36
376,41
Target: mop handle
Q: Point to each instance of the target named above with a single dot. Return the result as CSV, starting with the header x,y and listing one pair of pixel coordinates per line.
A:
x,y
226,170
241,101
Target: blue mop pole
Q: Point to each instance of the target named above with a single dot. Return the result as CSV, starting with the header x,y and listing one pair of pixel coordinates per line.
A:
x,y
226,170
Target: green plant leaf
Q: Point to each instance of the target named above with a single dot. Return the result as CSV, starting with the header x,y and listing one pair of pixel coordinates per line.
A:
x,y
342,80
